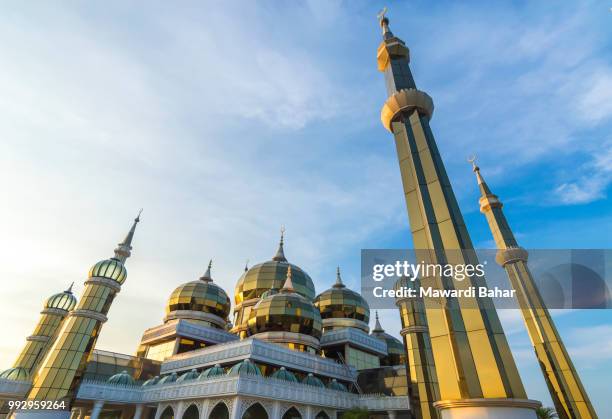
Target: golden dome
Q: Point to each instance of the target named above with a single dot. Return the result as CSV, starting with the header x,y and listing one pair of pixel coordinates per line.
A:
x,y
285,311
271,274
201,295
110,269
340,302
62,301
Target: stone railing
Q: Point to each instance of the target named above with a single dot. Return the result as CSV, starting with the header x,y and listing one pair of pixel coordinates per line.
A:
x,y
355,337
14,389
185,328
243,385
258,351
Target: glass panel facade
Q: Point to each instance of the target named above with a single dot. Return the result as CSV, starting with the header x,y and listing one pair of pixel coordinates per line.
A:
x,y
361,360
161,351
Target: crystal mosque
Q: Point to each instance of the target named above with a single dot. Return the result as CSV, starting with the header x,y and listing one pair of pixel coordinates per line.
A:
x,y
285,352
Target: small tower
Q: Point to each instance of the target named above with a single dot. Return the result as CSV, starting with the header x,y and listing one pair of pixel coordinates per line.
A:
x,y
569,396
55,310
59,373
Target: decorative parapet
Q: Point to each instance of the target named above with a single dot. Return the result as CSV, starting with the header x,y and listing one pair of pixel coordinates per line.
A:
x,y
355,337
14,389
258,351
191,330
241,385
406,100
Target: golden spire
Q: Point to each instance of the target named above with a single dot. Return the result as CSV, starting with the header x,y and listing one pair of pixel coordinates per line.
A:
x,y
288,286
484,188
124,249
384,23
280,253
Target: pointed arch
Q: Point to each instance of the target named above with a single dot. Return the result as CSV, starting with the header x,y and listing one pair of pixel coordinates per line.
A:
x,y
220,411
192,412
168,413
256,411
292,413
322,415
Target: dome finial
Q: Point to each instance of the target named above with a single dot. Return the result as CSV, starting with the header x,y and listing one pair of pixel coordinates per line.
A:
x,y
338,283
288,286
124,249
280,253
207,275
384,22
246,265
377,327
69,290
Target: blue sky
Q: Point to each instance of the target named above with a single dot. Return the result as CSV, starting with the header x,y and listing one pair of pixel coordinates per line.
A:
x,y
225,122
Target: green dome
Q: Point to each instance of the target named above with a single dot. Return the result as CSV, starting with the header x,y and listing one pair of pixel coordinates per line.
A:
x,y
340,302
335,385
151,381
311,380
191,375
285,312
265,276
168,379
244,367
199,295
110,269
283,374
122,378
15,374
62,301
212,372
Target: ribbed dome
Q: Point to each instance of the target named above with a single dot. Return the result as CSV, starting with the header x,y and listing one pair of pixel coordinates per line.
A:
x,y
15,374
122,378
283,374
286,311
151,381
244,367
168,379
62,301
340,302
212,372
271,274
311,380
191,375
335,385
111,269
202,295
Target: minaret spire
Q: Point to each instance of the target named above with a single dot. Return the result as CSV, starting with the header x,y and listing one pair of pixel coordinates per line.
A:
x,y
207,276
124,249
384,23
288,286
482,185
377,326
280,253
338,283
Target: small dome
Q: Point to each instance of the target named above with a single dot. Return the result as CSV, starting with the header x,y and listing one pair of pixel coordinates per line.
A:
x,y
202,295
395,348
168,379
191,375
212,372
62,301
123,378
340,302
244,367
335,385
311,380
15,374
151,381
283,374
110,269
286,311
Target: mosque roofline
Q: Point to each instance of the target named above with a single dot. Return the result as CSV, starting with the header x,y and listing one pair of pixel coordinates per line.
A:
x,y
354,337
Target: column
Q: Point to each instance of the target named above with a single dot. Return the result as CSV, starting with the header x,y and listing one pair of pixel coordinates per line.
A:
x,y
97,409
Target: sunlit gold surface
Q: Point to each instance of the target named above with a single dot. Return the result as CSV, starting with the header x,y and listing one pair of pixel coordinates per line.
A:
x,y
200,296
405,100
567,392
342,303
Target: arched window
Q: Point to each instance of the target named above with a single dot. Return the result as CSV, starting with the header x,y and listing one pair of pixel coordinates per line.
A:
x,y
168,413
256,411
292,414
322,415
219,412
191,413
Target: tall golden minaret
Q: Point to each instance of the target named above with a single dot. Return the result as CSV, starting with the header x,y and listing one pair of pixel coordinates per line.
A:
x,y
60,371
477,376
568,394
55,310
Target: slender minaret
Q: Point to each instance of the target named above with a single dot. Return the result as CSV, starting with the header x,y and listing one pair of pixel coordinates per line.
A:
x,y
568,394
423,387
477,375
55,310
59,373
